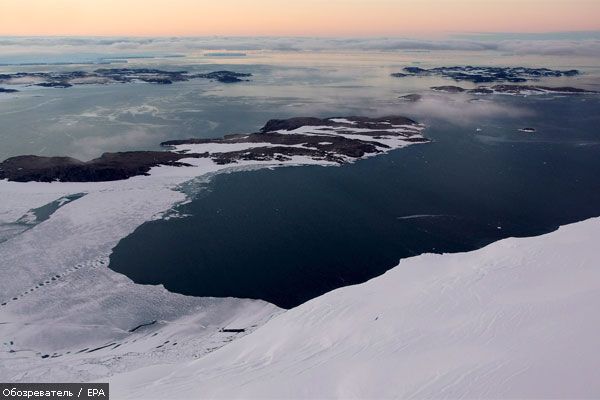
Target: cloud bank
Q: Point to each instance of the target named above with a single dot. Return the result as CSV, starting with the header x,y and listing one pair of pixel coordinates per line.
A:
x,y
163,45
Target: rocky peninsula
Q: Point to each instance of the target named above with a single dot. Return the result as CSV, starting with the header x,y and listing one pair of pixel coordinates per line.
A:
x,y
330,140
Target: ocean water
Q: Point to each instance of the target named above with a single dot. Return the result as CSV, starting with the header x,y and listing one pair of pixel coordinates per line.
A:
x,y
290,234
85,121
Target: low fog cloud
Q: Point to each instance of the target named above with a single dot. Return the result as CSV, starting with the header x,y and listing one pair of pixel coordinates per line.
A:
x,y
461,109
90,147
581,47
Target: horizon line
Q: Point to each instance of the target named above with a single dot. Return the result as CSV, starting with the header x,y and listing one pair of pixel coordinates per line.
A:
x,y
320,36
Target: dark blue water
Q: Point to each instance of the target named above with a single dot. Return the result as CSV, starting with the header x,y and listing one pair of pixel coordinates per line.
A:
x,y
291,234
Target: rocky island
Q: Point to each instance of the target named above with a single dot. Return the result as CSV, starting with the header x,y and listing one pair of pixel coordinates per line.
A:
x,y
329,140
412,97
513,89
478,74
115,75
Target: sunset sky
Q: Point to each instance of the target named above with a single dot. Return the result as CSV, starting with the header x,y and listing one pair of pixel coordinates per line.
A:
x,y
293,17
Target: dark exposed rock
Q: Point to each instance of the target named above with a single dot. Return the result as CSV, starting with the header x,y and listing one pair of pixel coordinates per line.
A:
x,y
280,153
332,146
413,71
293,123
160,81
3,90
448,89
149,75
54,84
327,143
336,140
358,122
522,88
416,140
142,326
224,76
480,90
123,75
413,97
229,79
514,89
108,167
478,74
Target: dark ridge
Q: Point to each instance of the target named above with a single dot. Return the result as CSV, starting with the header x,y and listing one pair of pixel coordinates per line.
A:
x,y
360,122
412,71
448,89
101,347
3,90
108,167
141,326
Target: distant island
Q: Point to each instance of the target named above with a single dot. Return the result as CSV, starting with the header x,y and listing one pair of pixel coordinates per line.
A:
x,y
115,75
225,54
412,97
513,89
331,141
486,74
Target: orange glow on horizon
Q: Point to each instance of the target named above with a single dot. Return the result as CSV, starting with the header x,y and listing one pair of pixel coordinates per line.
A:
x,y
293,17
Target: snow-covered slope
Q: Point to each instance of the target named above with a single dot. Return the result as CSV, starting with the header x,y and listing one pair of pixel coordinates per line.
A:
x,y
516,319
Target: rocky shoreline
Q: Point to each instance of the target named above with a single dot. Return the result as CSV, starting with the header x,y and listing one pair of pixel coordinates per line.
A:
x,y
333,140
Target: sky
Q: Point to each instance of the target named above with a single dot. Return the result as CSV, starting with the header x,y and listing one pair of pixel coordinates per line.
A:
x,y
293,17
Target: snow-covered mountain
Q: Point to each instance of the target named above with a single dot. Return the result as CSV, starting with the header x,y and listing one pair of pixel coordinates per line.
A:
x,y
516,319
